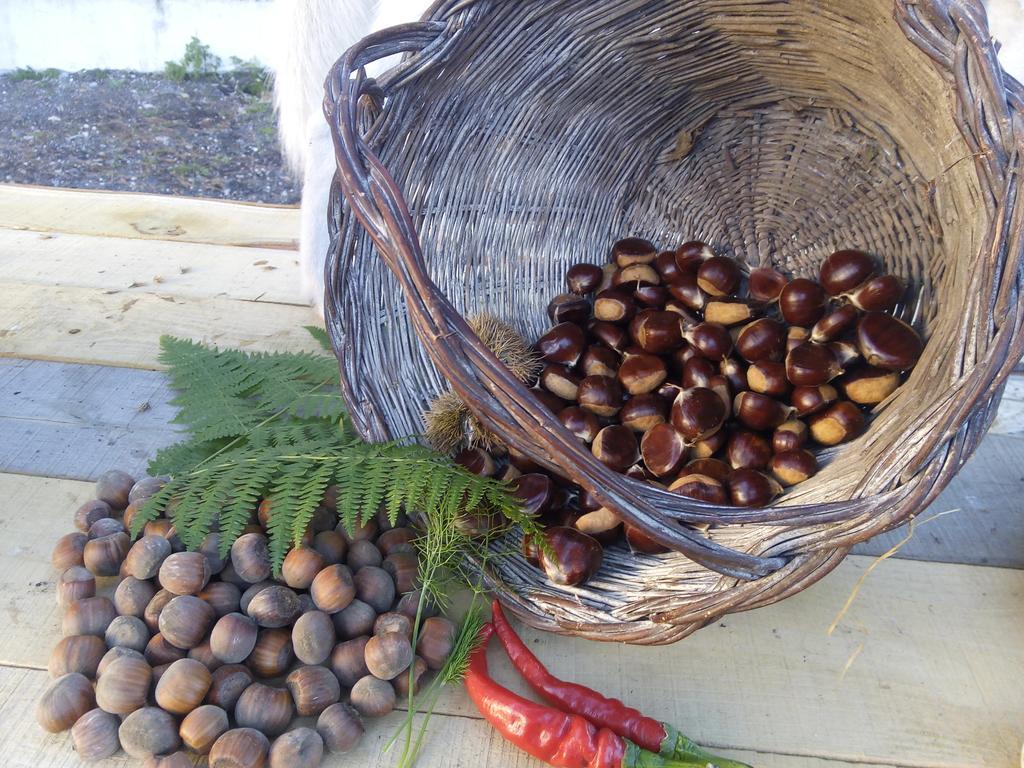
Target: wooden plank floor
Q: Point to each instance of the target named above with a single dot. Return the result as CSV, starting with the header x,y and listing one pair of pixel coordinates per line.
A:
x,y
925,670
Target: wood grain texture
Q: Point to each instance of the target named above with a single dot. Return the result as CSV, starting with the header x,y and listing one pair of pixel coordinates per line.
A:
x,y
136,266
923,670
149,217
452,741
76,421
88,325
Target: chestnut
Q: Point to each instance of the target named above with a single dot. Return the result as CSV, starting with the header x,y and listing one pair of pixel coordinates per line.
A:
x,y
657,331
697,372
640,542
710,445
665,263
888,343
809,400
664,449
685,290
642,412
795,336
846,354
562,344
765,284
614,306
534,492
633,250
600,395
599,360
834,324
792,467
732,312
635,275
750,488
715,468
879,294
653,296
610,335
691,254
789,436
768,377
811,364
615,446
698,412
735,372
583,424
559,381
869,385
603,524
571,557
844,270
802,302
582,279
759,411
719,276
838,424
720,385
566,308
642,373
748,450
710,339
701,487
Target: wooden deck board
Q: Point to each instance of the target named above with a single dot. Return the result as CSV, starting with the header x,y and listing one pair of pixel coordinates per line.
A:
x,y
148,217
935,654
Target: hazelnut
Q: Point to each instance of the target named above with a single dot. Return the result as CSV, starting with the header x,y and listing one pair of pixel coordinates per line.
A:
x,y
298,748
313,637
240,748
183,686
202,727
313,689
227,684
272,654
268,710
65,700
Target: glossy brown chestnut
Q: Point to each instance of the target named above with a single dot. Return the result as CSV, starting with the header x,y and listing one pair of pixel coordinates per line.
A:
x,y
765,284
697,372
634,275
664,450
657,331
614,306
795,336
879,294
709,446
811,364
720,385
809,400
789,436
768,377
601,395
567,308
735,372
571,557
582,279
802,302
844,270
719,276
691,254
583,424
764,339
633,250
888,343
640,542
599,360
559,381
562,344
652,296
869,385
750,488
759,411
534,492
698,412
642,373
685,290
665,263
476,460
700,487
602,524
792,467
748,450
846,354
609,334
712,340
715,468
642,412
834,324
615,446
839,423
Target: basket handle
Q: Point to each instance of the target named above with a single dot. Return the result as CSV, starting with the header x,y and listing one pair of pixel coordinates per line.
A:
x,y
379,206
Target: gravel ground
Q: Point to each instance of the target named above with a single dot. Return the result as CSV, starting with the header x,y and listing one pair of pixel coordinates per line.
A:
x,y
141,132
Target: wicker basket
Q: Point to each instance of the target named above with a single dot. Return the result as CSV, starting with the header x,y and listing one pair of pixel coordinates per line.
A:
x,y
516,138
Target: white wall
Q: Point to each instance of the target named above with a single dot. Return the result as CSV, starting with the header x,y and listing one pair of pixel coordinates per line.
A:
x,y
129,34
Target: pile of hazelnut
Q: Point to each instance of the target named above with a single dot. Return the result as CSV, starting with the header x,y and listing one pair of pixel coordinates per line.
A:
x,y
682,368
189,651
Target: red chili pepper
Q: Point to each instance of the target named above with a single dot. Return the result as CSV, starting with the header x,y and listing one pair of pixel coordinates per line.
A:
x,y
648,733
559,739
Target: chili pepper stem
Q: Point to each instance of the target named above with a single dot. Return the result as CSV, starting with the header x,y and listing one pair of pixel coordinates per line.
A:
x,y
677,746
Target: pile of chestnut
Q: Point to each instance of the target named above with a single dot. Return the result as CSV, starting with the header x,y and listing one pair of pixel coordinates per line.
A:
x,y
188,651
684,369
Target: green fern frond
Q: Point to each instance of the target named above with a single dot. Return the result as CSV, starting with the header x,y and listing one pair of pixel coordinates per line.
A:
x,y
321,336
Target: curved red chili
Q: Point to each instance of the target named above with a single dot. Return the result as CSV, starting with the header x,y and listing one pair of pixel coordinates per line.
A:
x,y
648,733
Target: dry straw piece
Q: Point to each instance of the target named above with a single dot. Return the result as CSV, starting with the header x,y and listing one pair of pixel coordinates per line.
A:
x,y
515,139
